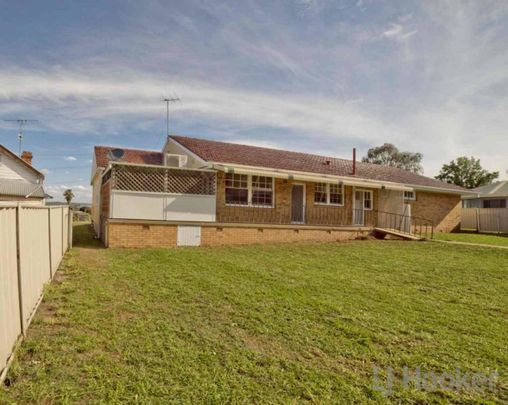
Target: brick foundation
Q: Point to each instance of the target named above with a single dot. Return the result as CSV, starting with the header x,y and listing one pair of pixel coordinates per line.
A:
x,y
137,235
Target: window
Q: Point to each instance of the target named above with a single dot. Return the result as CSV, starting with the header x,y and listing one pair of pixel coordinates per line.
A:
x,y
328,194
495,203
237,190
320,194
367,200
262,191
409,195
335,194
242,189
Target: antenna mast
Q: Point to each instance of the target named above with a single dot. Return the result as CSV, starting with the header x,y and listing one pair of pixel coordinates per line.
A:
x,y
169,100
22,122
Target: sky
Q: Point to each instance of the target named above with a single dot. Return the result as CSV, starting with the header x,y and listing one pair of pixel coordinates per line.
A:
x,y
316,76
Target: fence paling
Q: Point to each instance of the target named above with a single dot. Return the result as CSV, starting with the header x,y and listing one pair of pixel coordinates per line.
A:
x,y
26,264
485,219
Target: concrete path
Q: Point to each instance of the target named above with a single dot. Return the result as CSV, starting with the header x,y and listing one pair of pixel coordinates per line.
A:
x,y
470,244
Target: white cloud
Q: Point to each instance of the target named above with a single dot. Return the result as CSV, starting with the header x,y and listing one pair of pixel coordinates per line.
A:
x,y
70,158
45,171
395,30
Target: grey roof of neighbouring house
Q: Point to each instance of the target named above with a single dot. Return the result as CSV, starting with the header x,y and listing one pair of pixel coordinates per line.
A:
x,y
499,189
21,188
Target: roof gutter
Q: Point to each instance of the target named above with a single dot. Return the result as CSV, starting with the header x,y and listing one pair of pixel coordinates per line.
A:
x,y
302,176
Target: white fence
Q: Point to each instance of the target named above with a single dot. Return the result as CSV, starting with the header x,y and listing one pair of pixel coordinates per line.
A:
x,y
485,219
33,241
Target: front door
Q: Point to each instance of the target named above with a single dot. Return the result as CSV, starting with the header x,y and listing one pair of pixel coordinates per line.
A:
x,y
298,204
358,212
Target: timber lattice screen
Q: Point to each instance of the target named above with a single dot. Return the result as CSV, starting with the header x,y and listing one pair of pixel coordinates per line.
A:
x,y
162,180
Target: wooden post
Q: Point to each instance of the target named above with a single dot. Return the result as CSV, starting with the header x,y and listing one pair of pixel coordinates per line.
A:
x,y
49,239
18,260
477,211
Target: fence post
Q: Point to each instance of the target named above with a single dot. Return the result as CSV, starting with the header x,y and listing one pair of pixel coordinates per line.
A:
x,y
49,239
63,224
18,261
477,211
69,230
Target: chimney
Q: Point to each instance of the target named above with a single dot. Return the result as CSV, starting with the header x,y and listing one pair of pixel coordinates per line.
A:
x,y
27,157
354,162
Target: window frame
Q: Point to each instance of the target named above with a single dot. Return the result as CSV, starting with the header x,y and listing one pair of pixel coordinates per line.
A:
x,y
371,199
250,190
327,191
413,198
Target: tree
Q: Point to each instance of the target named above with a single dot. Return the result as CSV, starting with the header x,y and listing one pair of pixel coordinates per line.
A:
x,y
389,155
68,195
466,172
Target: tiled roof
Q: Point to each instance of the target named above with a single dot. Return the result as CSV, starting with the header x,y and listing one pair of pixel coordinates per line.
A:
x,y
146,157
222,152
20,188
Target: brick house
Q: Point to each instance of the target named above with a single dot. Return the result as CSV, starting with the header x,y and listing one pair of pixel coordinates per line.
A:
x,y
203,192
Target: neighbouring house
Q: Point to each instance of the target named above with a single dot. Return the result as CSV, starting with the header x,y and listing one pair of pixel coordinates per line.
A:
x,y
203,192
493,195
19,180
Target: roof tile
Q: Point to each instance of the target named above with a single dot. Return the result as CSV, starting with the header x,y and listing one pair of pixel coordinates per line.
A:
x,y
223,152
147,157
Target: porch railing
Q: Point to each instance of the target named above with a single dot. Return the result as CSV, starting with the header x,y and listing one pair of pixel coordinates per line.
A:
x,y
315,215
410,225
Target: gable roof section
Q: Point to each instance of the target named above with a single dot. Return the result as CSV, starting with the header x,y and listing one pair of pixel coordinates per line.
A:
x,y
139,156
223,152
3,149
497,189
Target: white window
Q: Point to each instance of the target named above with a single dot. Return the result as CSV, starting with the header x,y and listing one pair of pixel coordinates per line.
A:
x,y
321,193
329,194
262,191
409,195
243,189
237,190
367,200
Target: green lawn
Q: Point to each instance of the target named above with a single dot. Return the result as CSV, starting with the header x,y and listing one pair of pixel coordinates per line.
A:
x,y
484,239
258,324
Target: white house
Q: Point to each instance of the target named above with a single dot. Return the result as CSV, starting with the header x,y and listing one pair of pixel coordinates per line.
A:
x,y
19,180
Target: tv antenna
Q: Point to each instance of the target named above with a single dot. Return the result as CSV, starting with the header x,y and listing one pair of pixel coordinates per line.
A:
x,y
169,100
22,123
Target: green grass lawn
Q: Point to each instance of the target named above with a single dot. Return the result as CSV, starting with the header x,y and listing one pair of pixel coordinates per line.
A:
x,y
469,237
265,324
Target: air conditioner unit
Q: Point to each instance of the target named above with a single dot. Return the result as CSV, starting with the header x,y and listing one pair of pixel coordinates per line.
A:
x,y
173,160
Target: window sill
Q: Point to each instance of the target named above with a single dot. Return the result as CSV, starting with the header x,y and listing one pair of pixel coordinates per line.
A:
x,y
249,206
329,205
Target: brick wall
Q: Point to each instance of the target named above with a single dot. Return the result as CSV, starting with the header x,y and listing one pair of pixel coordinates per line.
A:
x,y
165,235
104,208
216,236
442,209
141,236
281,213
